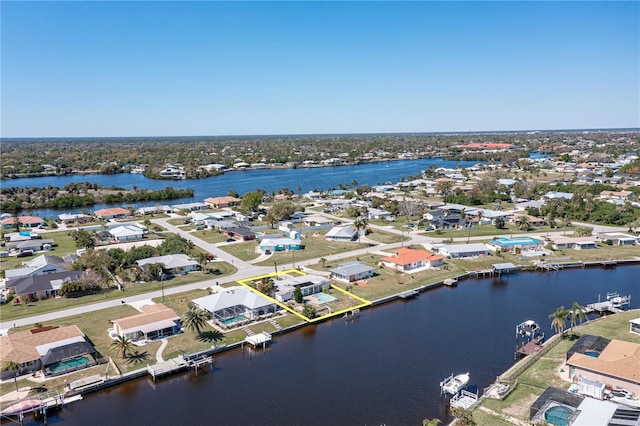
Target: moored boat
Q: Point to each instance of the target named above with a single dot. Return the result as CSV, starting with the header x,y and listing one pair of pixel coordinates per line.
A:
x,y
452,385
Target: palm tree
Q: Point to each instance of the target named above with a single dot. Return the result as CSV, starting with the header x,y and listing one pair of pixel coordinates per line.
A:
x,y
578,314
361,223
195,319
122,345
522,222
202,261
558,319
15,368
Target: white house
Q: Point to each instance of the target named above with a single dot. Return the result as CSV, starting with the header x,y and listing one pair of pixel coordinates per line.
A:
x,y
342,233
41,265
308,284
232,304
351,271
171,263
126,233
559,242
462,250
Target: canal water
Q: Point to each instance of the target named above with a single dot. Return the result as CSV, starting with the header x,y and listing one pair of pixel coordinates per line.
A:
x,y
383,368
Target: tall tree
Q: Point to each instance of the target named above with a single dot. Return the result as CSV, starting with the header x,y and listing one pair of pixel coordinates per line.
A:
x,y
361,224
559,319
122,345
14,368
577,314
195,319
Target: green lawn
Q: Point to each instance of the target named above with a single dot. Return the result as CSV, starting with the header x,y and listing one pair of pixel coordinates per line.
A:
x,y
387,282
210,236
547,370
314,247
62,244
603,252
487,230
385,237
10,311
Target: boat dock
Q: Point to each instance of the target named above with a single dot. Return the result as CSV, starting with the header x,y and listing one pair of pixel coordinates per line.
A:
x,y
168,367
259,339
15,411
408,294
451,282
505,268
614,304
464,399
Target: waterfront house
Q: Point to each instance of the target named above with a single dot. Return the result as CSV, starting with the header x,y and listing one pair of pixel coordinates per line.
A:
x,y
235,304
41,265
68,218
173,172
272,245
349,272
455,251
153,322
222,202
342,233
37,287
126,233
47,349
24,222
171,263
618,238
515,244
615,363
152,210
112,213
559,242
308,284
240,233
178,208
407,260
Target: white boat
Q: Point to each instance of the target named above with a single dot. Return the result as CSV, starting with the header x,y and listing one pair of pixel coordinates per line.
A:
x,y
453,385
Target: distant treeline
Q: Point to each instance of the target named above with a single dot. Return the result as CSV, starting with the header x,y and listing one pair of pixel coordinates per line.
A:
x,y
86,194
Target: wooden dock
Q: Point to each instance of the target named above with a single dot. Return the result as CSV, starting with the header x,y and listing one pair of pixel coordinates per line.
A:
x,y
259,339
15,411
168,367
464,399
451,282
408,294
614,304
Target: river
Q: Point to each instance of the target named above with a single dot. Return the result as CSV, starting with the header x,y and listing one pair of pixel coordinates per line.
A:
x,y
270,180
383,368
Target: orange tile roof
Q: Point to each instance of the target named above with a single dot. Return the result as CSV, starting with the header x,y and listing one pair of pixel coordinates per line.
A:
x,y
407,256
619,359
22,219
111,211
21,347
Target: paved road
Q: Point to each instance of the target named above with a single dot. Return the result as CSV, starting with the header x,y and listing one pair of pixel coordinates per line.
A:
x,y
246,270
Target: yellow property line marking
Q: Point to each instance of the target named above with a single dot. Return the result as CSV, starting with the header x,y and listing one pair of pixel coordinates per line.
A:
x,y
245,282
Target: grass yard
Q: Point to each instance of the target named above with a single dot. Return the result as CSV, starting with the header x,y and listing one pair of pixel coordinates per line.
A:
x,y
11,312
385,237
603,252
210,236
245,250
387,282
547,370
314,247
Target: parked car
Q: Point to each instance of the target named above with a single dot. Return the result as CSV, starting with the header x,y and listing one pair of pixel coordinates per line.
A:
x,y
25,253
231,240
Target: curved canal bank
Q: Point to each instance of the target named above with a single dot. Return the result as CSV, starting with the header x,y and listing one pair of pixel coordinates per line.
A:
x,y
381,368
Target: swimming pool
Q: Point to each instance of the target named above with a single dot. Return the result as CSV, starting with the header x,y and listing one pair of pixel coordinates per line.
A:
x,y
324,298
69,363
512,242
231,320
558,415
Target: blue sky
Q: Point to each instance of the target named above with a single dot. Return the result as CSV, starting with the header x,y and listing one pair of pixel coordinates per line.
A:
x,y
227,68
